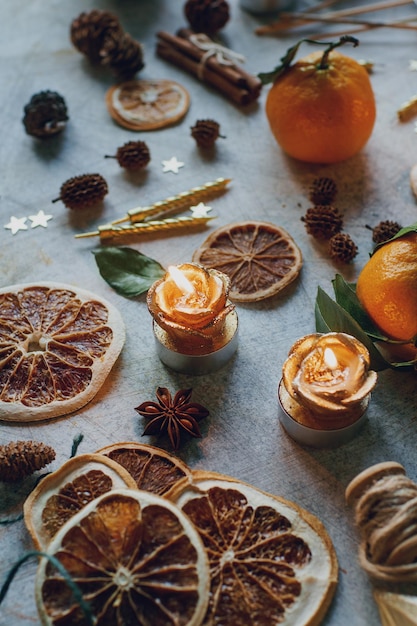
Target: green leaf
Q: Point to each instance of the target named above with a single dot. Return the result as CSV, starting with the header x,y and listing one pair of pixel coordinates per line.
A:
x,y
348,300
331,317
128,271
404,231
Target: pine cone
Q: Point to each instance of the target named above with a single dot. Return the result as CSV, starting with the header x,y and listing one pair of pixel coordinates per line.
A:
x,y
123,55
342,248
322,221
19,459
207,16
384,231
89,31
45,114
323,191
83,191
133,155
205,132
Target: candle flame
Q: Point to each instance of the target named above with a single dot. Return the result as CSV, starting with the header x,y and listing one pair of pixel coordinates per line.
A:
x,y
330,358
181,280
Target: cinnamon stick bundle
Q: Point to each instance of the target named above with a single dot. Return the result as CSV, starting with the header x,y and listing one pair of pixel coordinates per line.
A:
x,y
203,62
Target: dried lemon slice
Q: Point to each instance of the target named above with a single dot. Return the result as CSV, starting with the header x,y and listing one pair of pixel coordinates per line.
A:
x,y
271,562
66,491
136,559
57,345
147,104
152,468
260,258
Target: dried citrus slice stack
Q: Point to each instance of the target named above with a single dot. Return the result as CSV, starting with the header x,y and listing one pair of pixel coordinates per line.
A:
x,y
260,258
136,559
153,469
66,491
147,104
57,346
271,562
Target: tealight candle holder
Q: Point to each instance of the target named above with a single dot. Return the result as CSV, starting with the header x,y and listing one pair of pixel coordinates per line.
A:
x,y
194,324
325,389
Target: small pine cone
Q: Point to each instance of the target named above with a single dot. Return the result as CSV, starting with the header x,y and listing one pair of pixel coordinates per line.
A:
x,y
342,248
207,16
133,155
323,191
205,132
19,459
45,114
384,231
322,221
89,31
81,192
123,55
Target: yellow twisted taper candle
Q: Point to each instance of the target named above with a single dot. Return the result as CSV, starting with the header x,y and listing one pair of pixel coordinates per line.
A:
x,y
114,231
180,201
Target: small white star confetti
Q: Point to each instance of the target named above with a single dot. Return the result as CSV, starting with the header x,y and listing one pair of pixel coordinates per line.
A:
x,y
413,65
40,219
172,165
200,210
16,224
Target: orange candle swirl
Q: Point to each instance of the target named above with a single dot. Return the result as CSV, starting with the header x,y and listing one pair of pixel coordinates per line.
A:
x,y
190,303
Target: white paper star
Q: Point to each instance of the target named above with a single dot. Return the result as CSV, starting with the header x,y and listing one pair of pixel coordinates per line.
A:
x,y
40,219
200,210
413,65
172,165
16,224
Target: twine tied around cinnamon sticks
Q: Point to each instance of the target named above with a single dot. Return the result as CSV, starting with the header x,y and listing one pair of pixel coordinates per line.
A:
x,y
223,55
211,63
385,502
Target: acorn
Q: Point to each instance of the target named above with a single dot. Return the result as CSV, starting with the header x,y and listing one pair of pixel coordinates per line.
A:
x,y
384,230
323,191
133,155
81,192
342,248
322,221
45,114
207,16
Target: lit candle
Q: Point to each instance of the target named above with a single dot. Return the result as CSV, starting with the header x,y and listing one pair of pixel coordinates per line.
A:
x,y
195,325
325,388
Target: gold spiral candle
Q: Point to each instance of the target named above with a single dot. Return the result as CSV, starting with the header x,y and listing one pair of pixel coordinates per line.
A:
x,y
115,232
175,203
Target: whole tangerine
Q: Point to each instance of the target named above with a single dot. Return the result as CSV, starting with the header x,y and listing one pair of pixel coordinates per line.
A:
x,y
387,287
322,108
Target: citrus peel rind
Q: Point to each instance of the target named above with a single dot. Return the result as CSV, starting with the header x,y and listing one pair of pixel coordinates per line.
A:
x,y
271,562
58,343
152,468
136,559
61,494
147,104
259,258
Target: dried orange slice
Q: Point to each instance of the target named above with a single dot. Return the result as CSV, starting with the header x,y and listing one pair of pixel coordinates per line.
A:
x,y
66,491
147,104
260,258
271,562
136,559
152,468
57,346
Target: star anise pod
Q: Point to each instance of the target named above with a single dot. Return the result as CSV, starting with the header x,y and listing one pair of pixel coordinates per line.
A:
x,y
172,415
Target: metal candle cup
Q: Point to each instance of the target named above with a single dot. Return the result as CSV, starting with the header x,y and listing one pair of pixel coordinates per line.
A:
x,y
325,389
195,325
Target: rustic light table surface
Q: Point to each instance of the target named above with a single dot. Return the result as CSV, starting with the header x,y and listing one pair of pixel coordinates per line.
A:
x,y
242,436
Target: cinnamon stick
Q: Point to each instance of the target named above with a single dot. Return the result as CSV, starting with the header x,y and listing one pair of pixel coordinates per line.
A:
x,y
244,79
239,86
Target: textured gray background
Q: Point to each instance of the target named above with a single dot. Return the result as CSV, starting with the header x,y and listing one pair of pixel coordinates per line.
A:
x,y
242,436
